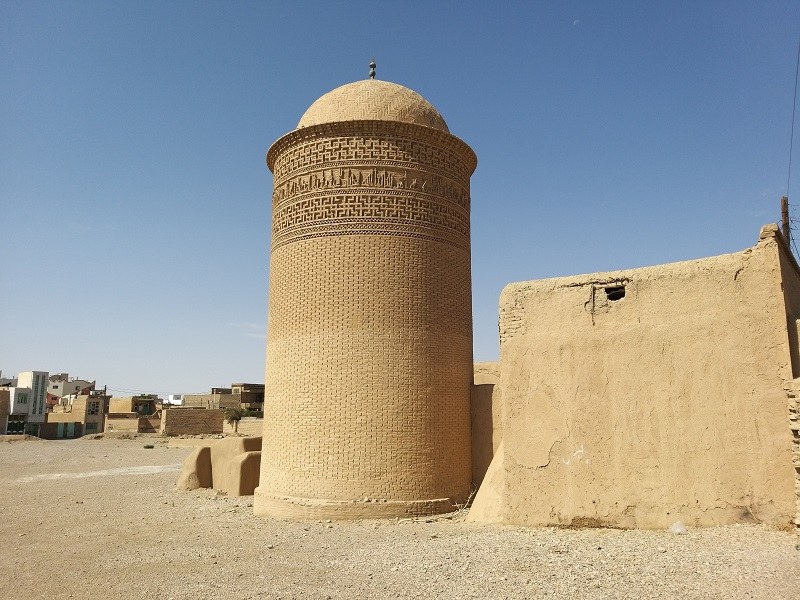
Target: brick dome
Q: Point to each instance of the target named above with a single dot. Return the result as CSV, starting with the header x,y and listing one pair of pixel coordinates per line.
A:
x,y
373,100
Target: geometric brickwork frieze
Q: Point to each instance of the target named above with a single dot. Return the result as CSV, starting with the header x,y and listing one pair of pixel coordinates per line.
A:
x,y
371,182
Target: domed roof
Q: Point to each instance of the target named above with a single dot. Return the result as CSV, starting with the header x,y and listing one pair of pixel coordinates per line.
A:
x,y
373,100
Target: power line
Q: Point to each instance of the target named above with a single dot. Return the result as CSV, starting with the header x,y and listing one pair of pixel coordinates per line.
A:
x,y
160,393
786,219
794,110
124,391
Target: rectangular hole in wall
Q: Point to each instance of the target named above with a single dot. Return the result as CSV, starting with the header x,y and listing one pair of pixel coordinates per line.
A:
x,y
615,292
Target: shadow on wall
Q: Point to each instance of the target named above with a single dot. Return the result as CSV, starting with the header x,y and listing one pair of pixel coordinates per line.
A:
x,y
482,426
486,418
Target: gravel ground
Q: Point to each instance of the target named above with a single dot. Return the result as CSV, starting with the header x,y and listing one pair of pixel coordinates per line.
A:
x,y
100,518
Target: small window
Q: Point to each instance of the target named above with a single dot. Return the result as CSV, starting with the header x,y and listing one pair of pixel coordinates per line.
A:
x,y
615,292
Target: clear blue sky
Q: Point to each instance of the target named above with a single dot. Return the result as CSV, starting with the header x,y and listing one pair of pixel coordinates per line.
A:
x,y
135,199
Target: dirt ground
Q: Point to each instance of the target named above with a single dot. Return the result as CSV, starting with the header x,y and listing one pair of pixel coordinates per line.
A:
x,y
99,518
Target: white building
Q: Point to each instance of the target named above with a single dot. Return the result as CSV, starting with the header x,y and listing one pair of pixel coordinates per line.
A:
x,y
19,400
19,407
37,382
60,385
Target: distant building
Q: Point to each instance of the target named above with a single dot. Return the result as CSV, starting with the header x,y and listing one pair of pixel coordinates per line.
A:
x,y
175,399
134,414
252,395
239,395
20,406
218,398
143,405
82,415
36,381
19,400
60,385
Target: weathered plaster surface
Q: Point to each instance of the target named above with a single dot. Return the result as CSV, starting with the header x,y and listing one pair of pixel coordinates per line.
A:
x,y
486,418
488,504
667,404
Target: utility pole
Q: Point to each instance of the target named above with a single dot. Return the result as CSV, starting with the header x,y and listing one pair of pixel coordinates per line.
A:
x,y
785,229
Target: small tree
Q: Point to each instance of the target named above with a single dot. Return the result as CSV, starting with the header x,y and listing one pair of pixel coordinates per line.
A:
x,y
234,414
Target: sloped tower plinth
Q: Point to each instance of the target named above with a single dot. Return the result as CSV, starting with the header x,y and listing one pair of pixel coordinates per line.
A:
x,y
369,345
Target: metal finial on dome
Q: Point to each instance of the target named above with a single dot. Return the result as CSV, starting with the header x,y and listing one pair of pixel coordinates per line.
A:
x,y
372,66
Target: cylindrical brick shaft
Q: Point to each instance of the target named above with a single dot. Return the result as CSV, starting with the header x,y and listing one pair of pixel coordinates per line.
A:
x,y
369,345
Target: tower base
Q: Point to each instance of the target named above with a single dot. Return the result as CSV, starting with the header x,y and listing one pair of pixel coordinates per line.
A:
x,y
313,509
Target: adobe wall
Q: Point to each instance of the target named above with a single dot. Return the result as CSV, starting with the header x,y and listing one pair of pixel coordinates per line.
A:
x,y
66,417
667,404
149,424
791,295
793,398
227,462
248,426
120,405
191,421
486,417
231,465
211,400
790,275
128,424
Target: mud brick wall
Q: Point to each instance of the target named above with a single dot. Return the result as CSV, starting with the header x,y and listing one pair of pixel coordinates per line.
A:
x,y
191,421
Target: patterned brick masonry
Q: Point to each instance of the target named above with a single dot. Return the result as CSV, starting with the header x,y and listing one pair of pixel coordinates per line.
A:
x,y
369,346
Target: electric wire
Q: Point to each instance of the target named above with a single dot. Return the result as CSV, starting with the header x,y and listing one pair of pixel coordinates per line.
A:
x,y
794,110
791,148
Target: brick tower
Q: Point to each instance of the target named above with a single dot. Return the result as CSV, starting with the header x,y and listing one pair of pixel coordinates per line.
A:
x,y
369,345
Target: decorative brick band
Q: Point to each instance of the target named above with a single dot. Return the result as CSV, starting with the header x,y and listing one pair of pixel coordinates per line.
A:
x,y
362,140
350,214
377,179
356,178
